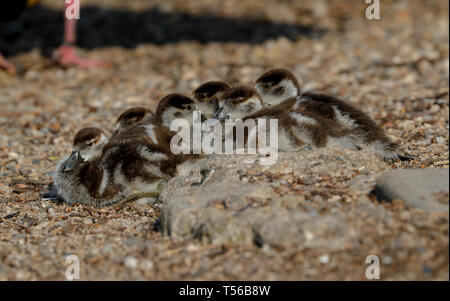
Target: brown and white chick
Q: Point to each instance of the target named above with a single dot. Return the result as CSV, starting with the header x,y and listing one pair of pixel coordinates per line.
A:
x,y
133,116
208,95
276,85
280,85
296,128
176,106
100,173
239,102
140,122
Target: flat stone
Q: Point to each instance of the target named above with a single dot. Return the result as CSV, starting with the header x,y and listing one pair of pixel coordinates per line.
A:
x,y
420,188
233,198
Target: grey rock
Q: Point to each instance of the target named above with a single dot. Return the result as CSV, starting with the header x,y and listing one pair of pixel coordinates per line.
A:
x,y
233,198
419,188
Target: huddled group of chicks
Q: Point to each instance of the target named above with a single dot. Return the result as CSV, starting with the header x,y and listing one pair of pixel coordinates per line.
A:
x,y
136,160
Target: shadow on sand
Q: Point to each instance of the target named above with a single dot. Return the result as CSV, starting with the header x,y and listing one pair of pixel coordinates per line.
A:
x,y
41,27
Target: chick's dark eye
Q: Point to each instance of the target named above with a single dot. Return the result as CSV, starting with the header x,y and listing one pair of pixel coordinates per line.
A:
x,y
177,114
279,90
89,143
188,108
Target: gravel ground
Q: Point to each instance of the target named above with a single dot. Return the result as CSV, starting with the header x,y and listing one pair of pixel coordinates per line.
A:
x,y
396,69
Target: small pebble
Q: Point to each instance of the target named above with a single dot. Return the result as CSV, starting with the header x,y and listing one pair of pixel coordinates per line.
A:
x,y
130,262
325,258
192,248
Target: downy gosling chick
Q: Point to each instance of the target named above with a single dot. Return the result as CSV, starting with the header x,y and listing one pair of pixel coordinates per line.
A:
x,y
296,129
157,130
208,95
178,107
140,122
175,106
280,85
133,116
100,173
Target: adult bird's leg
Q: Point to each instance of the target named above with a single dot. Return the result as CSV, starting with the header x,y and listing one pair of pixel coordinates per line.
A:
x,y
4,64
65,54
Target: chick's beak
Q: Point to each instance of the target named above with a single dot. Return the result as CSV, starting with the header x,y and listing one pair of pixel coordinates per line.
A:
x,y
74,160
115,133
220,114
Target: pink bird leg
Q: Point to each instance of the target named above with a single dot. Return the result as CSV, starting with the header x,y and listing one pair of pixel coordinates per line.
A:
x,y
65,54
4,64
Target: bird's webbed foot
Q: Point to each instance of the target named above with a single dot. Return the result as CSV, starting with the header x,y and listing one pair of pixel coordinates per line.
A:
x,y
65,55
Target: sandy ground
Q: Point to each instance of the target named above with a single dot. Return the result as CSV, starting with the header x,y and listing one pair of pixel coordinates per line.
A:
x,y
396,69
